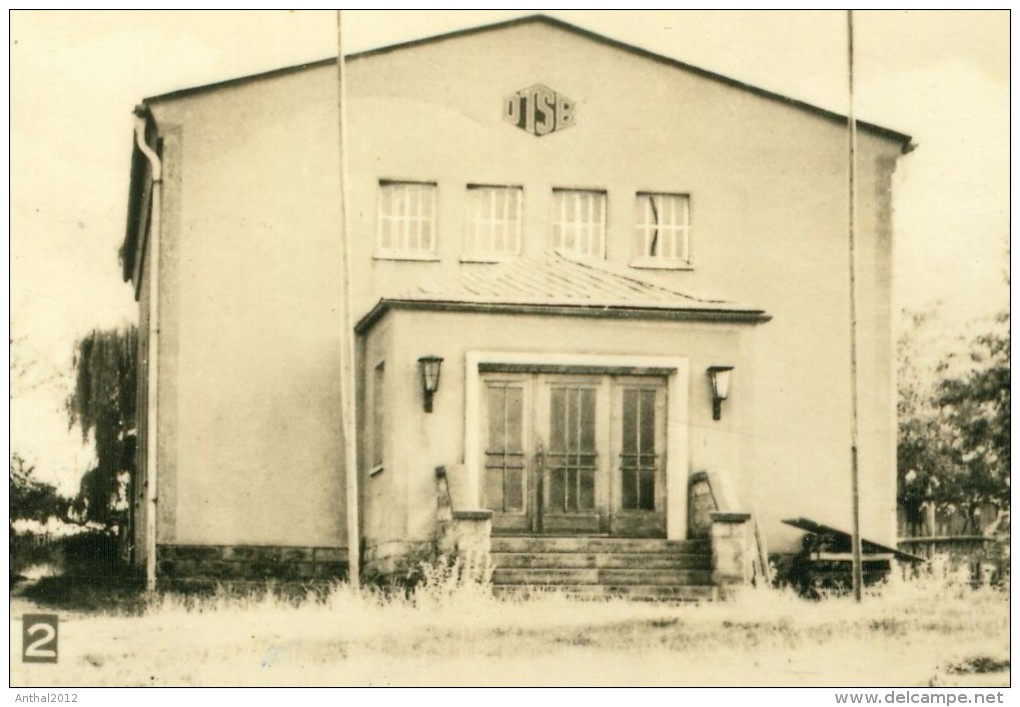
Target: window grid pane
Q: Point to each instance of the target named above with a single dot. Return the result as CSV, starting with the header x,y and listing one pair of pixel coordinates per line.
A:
x,y
504,454
406,218
579,222
662,226
638,460
573,457
494,220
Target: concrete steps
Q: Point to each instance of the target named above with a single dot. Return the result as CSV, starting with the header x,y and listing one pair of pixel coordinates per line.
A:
x,y
638,568
576,543
604,560
600,591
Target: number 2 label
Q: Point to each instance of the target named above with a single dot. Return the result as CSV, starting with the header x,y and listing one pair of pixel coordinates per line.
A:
x,y
39,638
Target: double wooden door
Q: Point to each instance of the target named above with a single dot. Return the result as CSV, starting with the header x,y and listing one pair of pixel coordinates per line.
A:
x,y
574,454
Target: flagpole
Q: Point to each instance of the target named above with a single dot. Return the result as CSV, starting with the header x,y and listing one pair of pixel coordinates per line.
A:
x,y
852,214
347,380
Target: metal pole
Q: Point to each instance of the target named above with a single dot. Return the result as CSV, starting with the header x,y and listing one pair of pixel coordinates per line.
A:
x,y
347,380
856,529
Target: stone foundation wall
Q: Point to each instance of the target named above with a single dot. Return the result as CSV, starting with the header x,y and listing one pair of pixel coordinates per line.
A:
x,y
226,563
395,559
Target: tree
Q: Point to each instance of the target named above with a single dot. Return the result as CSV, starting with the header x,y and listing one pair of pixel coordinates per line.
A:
x,y
921,452
103,405
975,405
31,499
953,409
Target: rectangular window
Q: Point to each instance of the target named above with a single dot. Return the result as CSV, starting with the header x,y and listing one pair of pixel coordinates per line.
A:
x,y
407,220
662,228
579,222
493,221
378,417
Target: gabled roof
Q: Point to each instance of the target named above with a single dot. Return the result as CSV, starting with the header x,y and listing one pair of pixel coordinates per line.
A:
x,y
558,284
902,138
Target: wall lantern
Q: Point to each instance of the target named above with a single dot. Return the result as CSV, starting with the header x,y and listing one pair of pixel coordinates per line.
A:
x,y
429,366
720,378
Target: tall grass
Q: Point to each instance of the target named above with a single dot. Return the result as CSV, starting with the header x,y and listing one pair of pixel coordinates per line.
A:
x,y
447,594
450,629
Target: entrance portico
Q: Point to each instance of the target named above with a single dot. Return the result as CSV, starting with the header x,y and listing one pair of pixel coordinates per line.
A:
x,y
572,401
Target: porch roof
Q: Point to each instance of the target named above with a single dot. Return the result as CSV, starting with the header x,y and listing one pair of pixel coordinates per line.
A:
x,y
560,285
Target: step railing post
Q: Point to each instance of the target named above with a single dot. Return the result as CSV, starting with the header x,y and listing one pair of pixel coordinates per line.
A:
x,y
732,553
463,533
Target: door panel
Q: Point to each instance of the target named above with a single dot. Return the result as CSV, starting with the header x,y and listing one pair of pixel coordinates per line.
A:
x,y
638,457
640,464
571,418
572,458
505,463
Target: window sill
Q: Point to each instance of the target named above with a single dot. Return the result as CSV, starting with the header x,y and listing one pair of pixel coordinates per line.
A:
x,y
376,470
661,264
417,257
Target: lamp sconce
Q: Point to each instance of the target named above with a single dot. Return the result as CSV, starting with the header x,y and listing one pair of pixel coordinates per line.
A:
x,y
720,379
428,367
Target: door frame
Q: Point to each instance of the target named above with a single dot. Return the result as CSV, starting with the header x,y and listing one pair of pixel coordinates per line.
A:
x,y
675,368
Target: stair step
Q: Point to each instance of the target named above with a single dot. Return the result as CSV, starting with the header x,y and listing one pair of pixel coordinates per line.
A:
x,y
606,577
602,591
555,576
601,567
663,578
531,543
602,560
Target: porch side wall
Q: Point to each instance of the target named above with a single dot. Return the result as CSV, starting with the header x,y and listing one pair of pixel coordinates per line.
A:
x,y
382,487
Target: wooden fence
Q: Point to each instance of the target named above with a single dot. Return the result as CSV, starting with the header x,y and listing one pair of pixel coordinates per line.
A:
x,y
986,557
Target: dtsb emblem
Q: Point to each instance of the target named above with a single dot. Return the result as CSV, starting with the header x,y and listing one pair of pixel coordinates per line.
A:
x,y
539,110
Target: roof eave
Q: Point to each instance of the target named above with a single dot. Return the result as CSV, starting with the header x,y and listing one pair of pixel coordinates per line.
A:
x,y
735,315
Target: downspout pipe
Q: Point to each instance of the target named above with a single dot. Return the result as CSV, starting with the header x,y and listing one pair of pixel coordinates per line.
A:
x,y
142,120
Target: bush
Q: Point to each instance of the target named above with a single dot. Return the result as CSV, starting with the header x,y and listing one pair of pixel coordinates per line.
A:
x,y
29,550
93,554
428,572
449,577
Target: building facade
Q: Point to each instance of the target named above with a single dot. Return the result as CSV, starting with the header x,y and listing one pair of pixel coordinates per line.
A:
x,y
593,239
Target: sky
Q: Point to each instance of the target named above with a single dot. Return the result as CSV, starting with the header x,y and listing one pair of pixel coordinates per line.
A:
x,y
942,77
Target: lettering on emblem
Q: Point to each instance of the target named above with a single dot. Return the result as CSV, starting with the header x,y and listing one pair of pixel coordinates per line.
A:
x,y
539,110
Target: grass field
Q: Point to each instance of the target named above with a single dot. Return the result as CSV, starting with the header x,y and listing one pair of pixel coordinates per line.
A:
x,y
915,634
